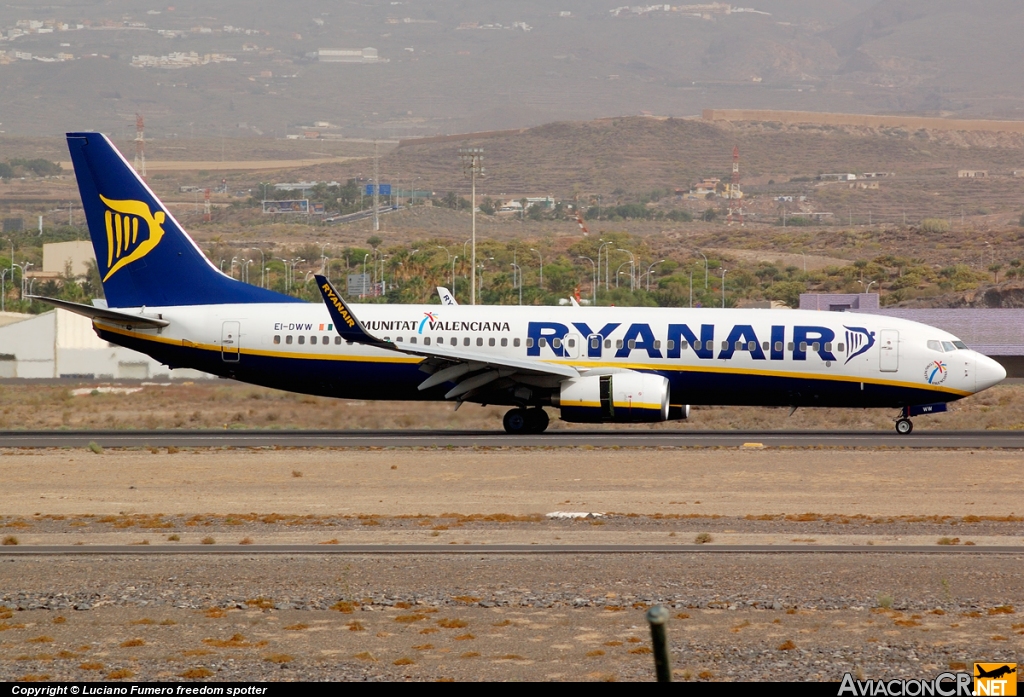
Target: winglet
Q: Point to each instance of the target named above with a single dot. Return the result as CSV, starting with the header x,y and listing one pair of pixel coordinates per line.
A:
x,y
350,328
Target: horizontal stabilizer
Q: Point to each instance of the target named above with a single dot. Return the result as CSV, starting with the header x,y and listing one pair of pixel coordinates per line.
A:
x,y
103,313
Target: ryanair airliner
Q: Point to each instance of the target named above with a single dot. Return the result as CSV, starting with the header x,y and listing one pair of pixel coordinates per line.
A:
x,y
593,364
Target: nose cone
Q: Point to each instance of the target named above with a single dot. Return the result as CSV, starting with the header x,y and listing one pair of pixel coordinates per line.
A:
x,y
988,373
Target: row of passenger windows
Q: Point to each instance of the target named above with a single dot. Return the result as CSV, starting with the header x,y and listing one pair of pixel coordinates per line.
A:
x,y
595,343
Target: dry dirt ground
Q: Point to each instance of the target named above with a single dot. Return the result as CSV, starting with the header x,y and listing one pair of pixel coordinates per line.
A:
x,y
468,617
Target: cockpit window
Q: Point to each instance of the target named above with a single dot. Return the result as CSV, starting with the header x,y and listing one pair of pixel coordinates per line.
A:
x,y
960,344
948,346
935,345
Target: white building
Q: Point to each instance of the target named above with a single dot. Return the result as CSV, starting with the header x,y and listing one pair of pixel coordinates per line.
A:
x,y
59,344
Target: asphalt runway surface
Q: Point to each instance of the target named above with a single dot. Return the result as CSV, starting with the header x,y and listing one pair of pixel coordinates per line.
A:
x,y
496,549
420,438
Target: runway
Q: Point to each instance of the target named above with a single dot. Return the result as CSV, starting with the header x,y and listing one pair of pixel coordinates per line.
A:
x,y
498,439
496,549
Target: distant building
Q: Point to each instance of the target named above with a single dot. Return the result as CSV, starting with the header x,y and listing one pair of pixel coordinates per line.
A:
x,y
58,254
972,174
62,344
839,302
364,55
839,177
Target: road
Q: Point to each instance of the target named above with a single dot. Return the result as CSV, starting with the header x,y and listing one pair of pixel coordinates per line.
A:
x,y
568,439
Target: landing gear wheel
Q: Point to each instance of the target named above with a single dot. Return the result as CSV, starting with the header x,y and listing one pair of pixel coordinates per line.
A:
x,y
516,421
904,426
537,420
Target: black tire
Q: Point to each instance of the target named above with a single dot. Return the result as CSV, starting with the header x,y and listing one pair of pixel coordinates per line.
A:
x,y
904,426
538,420
516,421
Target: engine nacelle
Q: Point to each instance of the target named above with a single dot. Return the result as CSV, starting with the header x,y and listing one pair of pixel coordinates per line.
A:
x,y
619,397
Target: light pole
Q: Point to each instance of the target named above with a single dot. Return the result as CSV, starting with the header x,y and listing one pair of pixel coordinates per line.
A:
x,y
518,275
3,289
594,277
606,281
723,288
454,259
472,159
705,268
867,288
323,257
618,272
541,284
691,288
263,268
649,273
632,270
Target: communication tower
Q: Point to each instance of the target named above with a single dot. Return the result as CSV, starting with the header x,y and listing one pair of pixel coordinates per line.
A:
x,y
140,146
735,194
206,207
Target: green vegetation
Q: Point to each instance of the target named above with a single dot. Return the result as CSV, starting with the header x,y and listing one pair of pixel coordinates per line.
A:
x,y
22,167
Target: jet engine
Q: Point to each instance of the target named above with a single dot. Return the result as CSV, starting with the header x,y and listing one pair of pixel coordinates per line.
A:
x,y
626,397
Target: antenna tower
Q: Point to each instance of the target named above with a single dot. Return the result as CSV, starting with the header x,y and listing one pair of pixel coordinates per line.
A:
x,y
206,207
735,207
140,146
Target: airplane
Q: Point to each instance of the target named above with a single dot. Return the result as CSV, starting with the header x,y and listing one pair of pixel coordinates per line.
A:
x,y
164,298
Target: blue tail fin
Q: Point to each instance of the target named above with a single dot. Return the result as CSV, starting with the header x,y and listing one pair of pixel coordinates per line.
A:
x,y
143,254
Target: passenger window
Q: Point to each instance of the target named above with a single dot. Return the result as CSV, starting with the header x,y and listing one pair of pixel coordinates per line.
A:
x,y
608,343
556,343
571,343
764,345
631,343
595,343
515,343
312,340
935,346
454,342
778,346
657,344
696,345
816,347
791,346
277,338
504,342
479,341
529,342
490,342
542,342
426,341
739,345
326,340
751,345
803,345
670,344
841,347
948,346
412,340
302,339
725,345
465,341
618,343
828,345
398,338
288,339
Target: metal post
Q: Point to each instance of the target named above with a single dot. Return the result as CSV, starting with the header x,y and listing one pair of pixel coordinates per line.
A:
x,y
657,617
472,159
540,285
723,288
376,189
594,277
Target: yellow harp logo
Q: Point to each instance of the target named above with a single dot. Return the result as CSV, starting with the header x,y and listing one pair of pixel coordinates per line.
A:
x,y
122,219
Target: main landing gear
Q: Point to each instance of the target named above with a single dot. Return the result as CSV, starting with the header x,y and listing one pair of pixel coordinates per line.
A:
x,y
525,421
903,423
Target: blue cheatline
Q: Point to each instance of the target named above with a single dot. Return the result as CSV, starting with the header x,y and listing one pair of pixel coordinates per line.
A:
x,y
143,255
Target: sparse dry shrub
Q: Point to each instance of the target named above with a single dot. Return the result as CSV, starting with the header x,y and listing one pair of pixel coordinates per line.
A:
x,y
344,607
237,641
196,673
215,613
297,627
641,650
787,645
208,541
703,538
245,541
366,656
682,616
1002,610
465,637
260,602
120,674
44,639
470,654
278,658
595,653
503,623
91,665
404,661
424,647
466,599
60,619
131,643
356,626
10,540
451,623
34,677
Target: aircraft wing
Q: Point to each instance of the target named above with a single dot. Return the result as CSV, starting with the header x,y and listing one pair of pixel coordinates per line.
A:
x,y
471,370
103,313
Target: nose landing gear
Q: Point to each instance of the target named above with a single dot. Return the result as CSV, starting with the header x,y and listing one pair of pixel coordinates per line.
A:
x,y
526,421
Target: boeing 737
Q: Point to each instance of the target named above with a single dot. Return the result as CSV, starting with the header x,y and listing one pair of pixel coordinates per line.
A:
x,y
164,298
